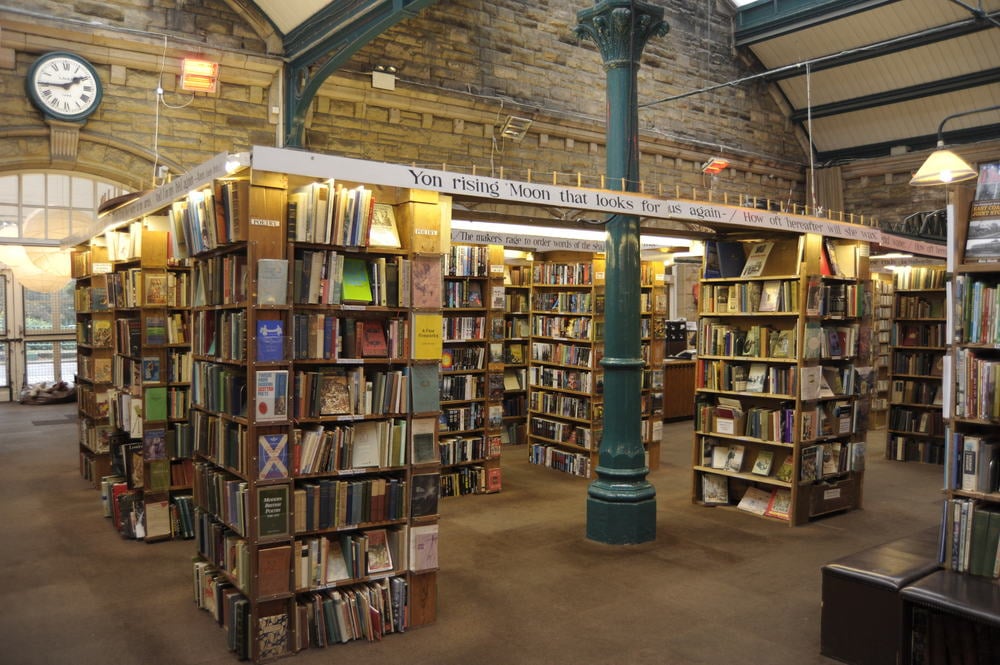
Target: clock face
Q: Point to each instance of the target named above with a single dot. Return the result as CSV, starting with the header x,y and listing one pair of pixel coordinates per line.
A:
x,y
64,86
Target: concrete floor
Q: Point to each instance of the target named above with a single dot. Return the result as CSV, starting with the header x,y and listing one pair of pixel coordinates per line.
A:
x,y
518,584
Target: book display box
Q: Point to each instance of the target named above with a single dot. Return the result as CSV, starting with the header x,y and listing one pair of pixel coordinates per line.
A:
x,y
779,418
314,325
918,346
472,370
133,304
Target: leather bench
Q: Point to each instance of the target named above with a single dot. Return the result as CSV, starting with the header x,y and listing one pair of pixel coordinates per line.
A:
x,y
951,617
862,613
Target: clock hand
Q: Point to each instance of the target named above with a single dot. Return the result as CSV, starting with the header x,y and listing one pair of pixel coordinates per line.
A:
x,y
65,85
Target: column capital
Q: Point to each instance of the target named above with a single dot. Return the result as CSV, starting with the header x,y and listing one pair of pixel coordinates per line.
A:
x,y
621,28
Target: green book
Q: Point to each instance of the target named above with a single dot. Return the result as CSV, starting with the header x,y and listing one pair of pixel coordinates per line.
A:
x,y
355,285
272,510
155,404
159,476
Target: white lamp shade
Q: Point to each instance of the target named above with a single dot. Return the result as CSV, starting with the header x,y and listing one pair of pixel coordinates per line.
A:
x,y
941,168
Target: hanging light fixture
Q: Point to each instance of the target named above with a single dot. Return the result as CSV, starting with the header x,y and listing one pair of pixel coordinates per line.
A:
x,y
944,166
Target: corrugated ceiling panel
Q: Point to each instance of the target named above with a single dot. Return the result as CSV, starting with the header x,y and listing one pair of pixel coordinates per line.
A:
x,y
877,25
933,62
899,121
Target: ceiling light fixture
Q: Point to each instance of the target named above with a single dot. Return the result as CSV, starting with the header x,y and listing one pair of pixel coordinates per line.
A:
x,y
944,166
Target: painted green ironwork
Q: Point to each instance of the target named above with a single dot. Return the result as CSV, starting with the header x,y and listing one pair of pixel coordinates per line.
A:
x,y
621,503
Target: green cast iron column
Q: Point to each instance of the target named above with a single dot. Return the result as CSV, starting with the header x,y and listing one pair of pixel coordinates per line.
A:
x,y
621,503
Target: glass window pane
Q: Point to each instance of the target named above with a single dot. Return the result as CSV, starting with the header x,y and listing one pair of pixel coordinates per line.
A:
x,y
8,221
67,309
57,226
33,189
58,189
34,223
39,361
8,189
67,361
38,312
82,219
83,193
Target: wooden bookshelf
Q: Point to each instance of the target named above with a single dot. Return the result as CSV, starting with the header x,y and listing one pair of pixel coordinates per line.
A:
x,y
314,418
517,331
145,371
882,286
472,370
95,348
565,378
972,450
918,345
777,392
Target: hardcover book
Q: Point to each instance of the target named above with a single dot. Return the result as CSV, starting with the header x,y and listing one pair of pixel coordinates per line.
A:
x,y
154,444
272,511
423,547
379,554
383,231
272,456
271,400
714,489
426,282
373,339
335,396
270,340
755,501
424,443
150,370
780,504
424,493
424,390
355,287
756,259
272,281
155,288
762,465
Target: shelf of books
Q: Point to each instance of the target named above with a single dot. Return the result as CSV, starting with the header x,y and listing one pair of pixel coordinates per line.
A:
x,y
95,348
472,370
971,519
777,408
315,330
146,491
565,378
882,285
517,331
918,345
653,328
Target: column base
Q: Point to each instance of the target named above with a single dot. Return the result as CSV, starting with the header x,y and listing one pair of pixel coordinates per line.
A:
x,y
618,523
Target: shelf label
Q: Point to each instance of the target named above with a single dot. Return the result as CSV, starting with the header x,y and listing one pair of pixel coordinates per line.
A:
x,y
829,495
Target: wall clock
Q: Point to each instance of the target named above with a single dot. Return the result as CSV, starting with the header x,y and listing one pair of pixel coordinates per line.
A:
x,y
64,86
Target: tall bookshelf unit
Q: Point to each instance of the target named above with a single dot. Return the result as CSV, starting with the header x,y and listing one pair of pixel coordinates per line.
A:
x,y
972,483
314,417
776,388
95,348
146,487
565,378
882,286
918,345
653,328
517,331
472,370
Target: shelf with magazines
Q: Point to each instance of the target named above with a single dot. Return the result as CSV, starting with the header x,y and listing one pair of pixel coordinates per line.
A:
x,y
565,378
314,412
882,286
775,380
95,349
517,331
472,370
918,345
971,519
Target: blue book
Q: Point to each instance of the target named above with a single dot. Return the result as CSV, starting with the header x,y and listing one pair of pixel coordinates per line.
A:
x,y
270,340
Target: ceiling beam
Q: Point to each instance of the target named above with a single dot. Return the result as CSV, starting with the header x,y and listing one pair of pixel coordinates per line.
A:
x,y
909,93
913,143
762,21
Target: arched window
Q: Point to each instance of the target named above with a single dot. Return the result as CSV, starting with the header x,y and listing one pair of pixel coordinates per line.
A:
x,y
37,211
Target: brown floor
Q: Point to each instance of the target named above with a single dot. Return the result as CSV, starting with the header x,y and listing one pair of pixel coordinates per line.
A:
x,y
519,583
